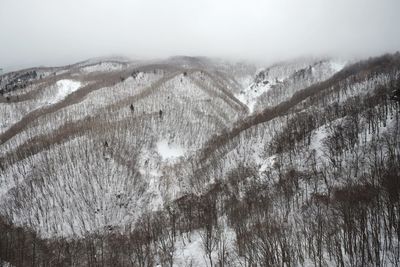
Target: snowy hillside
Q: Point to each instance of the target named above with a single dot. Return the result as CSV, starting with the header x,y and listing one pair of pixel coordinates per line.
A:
x,y
201,162
273,85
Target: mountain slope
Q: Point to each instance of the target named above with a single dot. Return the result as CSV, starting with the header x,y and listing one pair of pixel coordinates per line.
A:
x,y
199,161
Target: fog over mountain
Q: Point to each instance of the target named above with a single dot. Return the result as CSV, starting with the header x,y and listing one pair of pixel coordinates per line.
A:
x,y
47,32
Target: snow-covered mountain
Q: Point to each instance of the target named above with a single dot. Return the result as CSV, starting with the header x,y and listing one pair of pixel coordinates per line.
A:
x,y
201,162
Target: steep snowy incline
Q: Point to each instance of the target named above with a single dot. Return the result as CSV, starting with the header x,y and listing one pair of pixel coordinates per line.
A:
x,y
279,82
141,123
188,161
63,89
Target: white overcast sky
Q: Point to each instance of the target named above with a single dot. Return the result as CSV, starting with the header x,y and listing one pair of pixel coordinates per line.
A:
x,y
56,32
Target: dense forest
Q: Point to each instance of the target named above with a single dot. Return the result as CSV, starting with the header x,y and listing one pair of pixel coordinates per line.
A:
x,y
310,177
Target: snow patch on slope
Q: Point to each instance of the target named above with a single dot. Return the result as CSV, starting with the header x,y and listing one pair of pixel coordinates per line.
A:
x,y
192,253
63,89
250,95
317,140
338,65
169,151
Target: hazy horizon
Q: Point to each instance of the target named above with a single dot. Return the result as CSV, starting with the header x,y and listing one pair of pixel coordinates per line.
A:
x,y
52,33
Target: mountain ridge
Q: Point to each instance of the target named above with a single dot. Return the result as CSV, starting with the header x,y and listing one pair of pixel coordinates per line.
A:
x,y
93,164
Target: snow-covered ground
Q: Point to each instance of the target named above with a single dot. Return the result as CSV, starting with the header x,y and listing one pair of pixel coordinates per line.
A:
x,y
287,79
13,112
118,159
249,96
338,65
102,67
169,151
193,253
62,89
